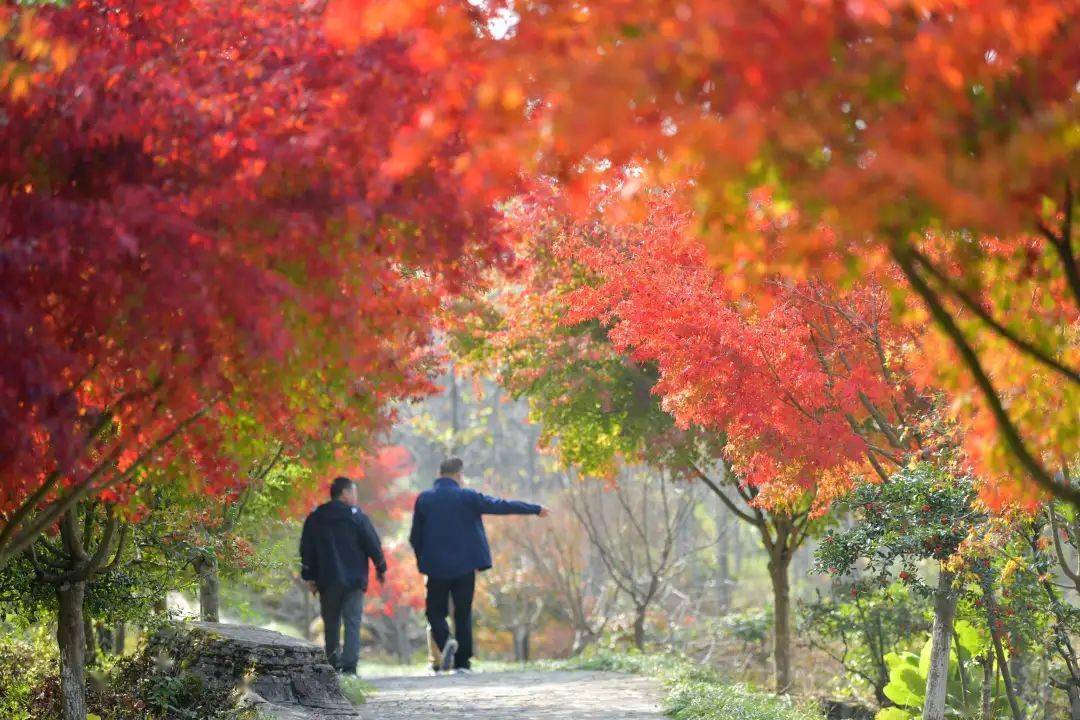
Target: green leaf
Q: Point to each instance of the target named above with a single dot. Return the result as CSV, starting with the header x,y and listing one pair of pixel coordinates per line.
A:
x,y
971,640
906,687
897,660
894,713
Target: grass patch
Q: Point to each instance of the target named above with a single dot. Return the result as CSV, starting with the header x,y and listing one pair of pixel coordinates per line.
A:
x,y
696,693
356,689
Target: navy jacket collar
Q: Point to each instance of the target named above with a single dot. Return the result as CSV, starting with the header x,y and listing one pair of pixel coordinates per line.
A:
x,y
446,482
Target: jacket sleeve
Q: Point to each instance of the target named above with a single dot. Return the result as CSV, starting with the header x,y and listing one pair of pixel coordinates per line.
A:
x,y
309,559
416,534
369,541
488,505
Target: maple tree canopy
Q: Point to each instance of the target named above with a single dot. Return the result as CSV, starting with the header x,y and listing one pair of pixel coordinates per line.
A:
x,y
829,139
214,220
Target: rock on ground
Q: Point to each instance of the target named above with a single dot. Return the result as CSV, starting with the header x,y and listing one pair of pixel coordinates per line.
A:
x,y
286,678
527,695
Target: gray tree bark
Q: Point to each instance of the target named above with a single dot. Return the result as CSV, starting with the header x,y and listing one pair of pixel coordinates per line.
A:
x,y
781,587
937,678
209,590
71,639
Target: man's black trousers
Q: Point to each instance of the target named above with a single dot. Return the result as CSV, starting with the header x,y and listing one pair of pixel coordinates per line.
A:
x,y
342,606
437,606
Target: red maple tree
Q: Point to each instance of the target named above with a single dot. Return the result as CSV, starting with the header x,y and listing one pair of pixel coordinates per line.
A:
x,y
212,212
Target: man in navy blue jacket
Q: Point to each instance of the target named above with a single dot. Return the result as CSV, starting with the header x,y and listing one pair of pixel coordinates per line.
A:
x,y
451,545
336,545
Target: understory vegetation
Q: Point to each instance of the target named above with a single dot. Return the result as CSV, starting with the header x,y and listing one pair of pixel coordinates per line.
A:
x,y
693,692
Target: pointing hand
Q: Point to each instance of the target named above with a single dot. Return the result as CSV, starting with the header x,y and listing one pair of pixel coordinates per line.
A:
x,y
544,512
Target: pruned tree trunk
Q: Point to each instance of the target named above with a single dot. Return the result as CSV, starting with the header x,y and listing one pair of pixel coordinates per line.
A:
x,y
71,639
209,589
781,587
937,679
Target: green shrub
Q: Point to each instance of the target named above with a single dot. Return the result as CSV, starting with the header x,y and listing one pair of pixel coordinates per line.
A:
x,y
705,700
752,627
29,683
157,691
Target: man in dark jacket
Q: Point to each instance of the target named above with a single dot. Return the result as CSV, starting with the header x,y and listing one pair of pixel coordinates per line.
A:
x,y
451,545
337,542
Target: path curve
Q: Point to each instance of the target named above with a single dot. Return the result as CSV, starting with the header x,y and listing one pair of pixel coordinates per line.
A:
x,y
529,695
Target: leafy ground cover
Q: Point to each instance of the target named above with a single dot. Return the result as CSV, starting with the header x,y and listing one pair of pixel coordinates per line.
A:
x,y
696,693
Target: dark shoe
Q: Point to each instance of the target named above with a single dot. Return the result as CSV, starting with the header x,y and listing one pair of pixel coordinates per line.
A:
x,y
448,654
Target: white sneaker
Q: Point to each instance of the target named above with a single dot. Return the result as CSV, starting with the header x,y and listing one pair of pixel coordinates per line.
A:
x,y
448,654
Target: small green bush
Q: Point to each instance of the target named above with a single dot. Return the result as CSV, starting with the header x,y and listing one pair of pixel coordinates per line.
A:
x,y
707,700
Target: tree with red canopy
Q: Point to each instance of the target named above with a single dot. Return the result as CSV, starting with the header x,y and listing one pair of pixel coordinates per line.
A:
x,y
801,397
936,136
213,213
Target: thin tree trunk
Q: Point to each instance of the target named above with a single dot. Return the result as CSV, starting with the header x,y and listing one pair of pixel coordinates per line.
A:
x,y
401,639
987,689
736,548
990,603
521,644
1018,666
91,640
455,427
119,638
937,678
723,561
105,638
71,639
209,590
582,639
781,587
1074,701
639,629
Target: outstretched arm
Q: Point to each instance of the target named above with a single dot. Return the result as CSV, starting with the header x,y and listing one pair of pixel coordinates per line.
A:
x,y
488,505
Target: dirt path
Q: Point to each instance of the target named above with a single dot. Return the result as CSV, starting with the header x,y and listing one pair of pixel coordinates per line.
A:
x,y
516,696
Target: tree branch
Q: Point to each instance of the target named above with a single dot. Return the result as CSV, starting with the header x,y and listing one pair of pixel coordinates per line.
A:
x,y
977,309
1005,425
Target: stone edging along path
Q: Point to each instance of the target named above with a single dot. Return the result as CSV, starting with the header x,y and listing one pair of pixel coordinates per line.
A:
x,y
526,695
